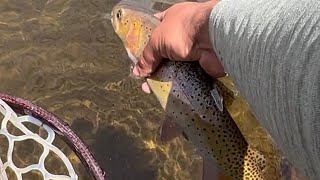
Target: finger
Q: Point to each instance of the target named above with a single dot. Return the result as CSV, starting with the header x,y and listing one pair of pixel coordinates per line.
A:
x,y
151,55
160,15
211,64
146,88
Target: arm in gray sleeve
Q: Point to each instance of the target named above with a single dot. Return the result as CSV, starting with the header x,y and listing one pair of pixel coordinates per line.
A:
x,y
271,49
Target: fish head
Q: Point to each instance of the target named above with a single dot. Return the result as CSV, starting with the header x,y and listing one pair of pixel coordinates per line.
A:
x,y
134,27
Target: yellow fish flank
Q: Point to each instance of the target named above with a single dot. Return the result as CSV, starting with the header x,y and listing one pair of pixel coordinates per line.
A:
x,y
184,91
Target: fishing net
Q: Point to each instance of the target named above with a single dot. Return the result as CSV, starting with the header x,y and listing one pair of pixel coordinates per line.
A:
x,y
18,114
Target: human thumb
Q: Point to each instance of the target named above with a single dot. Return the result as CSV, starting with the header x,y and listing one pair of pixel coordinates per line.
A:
x,y
151,55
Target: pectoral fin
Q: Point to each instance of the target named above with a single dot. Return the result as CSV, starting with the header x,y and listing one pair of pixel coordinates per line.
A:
x,y
211,171
169,130
218,99
227,90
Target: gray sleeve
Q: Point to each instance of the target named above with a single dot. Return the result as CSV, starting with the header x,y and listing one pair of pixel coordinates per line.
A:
x,y
271,49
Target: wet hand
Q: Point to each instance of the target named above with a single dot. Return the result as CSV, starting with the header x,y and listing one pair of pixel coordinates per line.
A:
x,y
182,35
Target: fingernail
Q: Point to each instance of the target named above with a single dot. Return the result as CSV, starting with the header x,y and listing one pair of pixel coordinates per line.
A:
x,y
135,71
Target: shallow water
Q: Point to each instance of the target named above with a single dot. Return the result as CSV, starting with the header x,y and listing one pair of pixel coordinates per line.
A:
x,y
62,55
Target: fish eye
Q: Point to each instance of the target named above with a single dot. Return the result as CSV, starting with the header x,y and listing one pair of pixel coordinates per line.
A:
x,y
119,14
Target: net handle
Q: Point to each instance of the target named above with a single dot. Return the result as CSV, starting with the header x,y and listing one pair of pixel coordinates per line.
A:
x,y
62,128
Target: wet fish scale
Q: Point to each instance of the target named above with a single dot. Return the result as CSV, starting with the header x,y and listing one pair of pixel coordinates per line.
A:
x,y
214,133
183,90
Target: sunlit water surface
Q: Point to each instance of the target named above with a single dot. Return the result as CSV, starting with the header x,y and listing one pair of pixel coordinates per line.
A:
x,y
65,57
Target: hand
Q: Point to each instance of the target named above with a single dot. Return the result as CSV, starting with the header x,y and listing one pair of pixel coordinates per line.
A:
x,y
182,35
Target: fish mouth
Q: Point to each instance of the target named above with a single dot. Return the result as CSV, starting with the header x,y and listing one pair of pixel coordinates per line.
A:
x,y
108,16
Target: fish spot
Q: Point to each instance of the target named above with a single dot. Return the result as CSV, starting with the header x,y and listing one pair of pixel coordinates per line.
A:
x,y
192,119
204,129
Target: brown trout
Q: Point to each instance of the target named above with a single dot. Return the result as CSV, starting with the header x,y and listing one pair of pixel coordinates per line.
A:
x,y
189,97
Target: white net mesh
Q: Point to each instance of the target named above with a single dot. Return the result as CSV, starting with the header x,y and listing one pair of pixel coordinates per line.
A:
x,y
17,121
